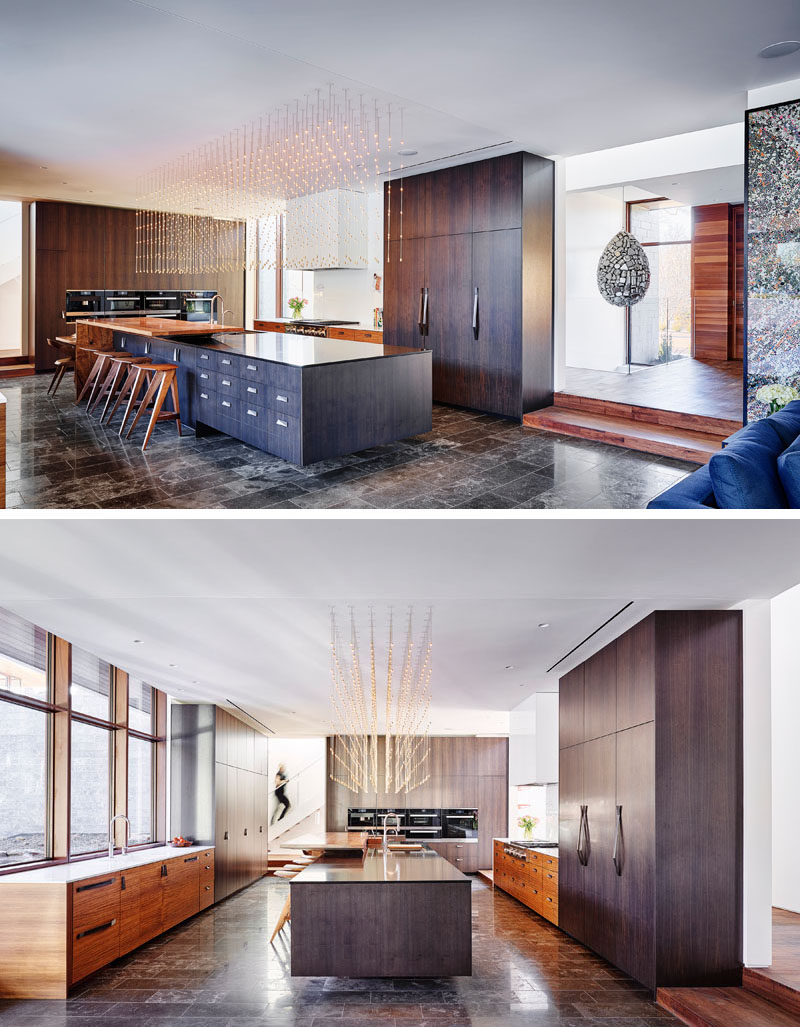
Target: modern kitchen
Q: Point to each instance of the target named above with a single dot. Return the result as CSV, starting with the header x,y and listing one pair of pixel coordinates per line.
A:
x,y
451,802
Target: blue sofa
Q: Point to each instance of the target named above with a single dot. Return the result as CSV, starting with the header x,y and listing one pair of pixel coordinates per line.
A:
x,y
758,468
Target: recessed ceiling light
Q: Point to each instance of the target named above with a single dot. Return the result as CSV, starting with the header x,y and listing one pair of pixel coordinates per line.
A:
x,y
138,641
408,153
782,49
544,624
173,665
509,666
44,167
195,682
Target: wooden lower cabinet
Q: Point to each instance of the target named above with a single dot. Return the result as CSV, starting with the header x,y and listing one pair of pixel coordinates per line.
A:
x,y
463,855
532,880
90,923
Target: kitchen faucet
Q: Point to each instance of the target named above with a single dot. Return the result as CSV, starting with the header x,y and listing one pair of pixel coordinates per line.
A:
x,y
220,306
123,847
385,828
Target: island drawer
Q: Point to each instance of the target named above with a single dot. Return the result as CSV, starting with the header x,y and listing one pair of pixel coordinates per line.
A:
x,y
206,379
206,358
253,370
282,401
206,406
227,384
227,363
284,438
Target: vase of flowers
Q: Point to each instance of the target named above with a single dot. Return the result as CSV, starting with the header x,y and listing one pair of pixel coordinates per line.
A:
x,y
776,396
296,303
527,824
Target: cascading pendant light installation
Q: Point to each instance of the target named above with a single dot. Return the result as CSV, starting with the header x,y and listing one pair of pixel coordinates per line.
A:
x,y
363,714
314,162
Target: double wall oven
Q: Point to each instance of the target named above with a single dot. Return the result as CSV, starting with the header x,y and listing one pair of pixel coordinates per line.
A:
x,y
162,303
424,824
123,302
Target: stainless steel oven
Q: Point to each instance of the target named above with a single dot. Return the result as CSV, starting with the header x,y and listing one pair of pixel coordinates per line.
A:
x,y
460,823
360,819
123,302
197,305
423,823
400,814
162,303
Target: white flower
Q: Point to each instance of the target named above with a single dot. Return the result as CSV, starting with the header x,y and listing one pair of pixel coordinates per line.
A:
x,y
780,394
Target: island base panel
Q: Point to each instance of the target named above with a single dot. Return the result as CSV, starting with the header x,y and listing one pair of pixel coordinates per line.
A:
x,y
382,930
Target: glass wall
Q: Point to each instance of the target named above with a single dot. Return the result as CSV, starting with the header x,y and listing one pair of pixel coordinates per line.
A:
x,y
90,787
661,323
10,278
141,759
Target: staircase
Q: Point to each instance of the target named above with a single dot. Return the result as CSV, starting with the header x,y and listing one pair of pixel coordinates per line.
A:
x,y
669,433
278,856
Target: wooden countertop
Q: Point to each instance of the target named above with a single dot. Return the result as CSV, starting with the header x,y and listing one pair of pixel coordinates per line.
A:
x,y
159,326
329,841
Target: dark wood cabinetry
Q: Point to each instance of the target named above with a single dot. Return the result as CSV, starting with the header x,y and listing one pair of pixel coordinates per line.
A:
x,y
221,794
650,796
472,279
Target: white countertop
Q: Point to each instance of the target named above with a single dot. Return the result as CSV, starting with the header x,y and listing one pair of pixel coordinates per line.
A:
x,y
545,851
64,873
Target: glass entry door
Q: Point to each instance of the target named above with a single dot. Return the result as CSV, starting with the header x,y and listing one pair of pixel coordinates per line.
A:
x,y
660,326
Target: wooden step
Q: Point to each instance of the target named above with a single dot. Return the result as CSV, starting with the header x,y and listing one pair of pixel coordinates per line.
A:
x,y
16,370
774,991
662,440
487,875
648,415
723,1007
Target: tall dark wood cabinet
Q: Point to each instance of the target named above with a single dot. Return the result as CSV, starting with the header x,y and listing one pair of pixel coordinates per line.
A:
x,y
220,792
472,280
650,797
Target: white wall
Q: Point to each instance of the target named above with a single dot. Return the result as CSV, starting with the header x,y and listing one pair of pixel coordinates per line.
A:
x,y
305,766
778,93
757,897
785,751
594,330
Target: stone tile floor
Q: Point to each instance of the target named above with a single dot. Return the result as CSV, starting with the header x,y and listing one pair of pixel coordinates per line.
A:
x,y
58,457
219,970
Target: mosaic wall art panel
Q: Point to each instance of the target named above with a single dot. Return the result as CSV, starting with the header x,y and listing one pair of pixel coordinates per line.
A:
x,y
773,251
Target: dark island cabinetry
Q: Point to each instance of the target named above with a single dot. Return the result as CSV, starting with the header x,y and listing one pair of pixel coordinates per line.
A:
x,y
650,797
471,279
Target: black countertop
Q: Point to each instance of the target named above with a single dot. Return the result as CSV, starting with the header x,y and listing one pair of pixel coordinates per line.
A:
x,y
423,866
296,350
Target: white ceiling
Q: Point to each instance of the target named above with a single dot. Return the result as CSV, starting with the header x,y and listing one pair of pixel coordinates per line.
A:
x,y
242,606
100,90
697,188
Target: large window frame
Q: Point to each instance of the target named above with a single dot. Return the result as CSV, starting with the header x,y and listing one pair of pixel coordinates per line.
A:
x,y
629,205
61,716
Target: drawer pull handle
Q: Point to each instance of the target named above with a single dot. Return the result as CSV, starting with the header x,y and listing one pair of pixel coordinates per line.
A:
x,y
94,930
97,884
252,367
226,403
163,869
176,356
252,413
226,381
252,389
191,859
226,362
282,399
204,375
225,836
208,887
283,424
204,356
208,866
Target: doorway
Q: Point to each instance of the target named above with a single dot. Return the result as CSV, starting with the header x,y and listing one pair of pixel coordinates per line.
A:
x,y
11,290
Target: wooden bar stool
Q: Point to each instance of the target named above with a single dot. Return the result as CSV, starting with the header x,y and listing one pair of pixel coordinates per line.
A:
x,y
95,376
138,375
163,383
289,871
108,386
64,363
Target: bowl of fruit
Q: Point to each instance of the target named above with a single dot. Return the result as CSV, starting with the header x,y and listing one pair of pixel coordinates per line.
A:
x,y
180,842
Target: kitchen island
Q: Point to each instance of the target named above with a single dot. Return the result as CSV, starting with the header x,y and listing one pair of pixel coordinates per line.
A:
x,y
398,914
301,399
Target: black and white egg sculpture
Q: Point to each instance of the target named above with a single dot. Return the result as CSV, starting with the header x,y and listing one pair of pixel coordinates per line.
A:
x,y
623,273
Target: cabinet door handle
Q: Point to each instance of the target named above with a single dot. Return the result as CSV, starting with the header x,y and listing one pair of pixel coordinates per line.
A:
x,y
96,884
208,866
208,887
203,374
203,395
617,856
94,930
283,424
251,367
421,322
252,413
281,399
252,389
204,356
225,362
245,832
163,869
191,859
425,311
225,836
225,403
583,834
176,356
475,313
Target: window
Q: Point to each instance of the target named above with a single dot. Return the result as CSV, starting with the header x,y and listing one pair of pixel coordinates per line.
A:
x,y
141,759
661,324
90,787
23,657
24,736
90,692
140,706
